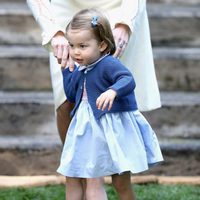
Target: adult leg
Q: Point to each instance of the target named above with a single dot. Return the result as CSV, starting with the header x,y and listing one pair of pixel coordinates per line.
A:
x,y
63,119
74,190
122,184
95,189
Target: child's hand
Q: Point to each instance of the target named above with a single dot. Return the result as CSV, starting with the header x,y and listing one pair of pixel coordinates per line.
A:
x,y
106,99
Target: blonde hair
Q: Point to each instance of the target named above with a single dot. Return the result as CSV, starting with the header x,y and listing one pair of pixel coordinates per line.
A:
x,y
94,20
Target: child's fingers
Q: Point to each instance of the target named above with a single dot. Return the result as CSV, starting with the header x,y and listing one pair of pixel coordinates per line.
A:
x,y
104,105
107,103
100,101
110,105
99,104
71,68
106,100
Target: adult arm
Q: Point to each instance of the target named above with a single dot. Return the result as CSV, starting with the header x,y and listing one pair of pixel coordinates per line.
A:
x,y
125,27
129,10
43,14
53,36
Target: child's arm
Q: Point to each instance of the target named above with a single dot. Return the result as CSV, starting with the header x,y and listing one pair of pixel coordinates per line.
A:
x,y
70,81
123,84
121,77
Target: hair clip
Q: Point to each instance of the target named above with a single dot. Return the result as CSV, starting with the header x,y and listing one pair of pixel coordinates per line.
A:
x,y
94,21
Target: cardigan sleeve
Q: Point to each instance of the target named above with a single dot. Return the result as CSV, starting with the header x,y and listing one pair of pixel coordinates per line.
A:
x,y
122,79
128,12
43,14
70,81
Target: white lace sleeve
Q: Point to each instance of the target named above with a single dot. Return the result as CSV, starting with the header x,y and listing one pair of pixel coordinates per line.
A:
x,y
42,13
129,11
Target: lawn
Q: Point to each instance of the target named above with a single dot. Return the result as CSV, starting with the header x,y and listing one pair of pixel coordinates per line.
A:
x,y
143,192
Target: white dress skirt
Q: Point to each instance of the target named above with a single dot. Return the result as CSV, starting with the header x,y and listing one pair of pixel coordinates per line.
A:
x,y
116,143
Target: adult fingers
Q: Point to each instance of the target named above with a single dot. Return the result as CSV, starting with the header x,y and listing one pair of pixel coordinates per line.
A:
x,y
59,53
121,37
65,56
120,48
55,49
71,64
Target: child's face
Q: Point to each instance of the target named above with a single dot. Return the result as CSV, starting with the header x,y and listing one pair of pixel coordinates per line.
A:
x,y
84,48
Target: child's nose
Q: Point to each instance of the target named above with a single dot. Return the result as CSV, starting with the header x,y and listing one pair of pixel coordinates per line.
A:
x,y
76,51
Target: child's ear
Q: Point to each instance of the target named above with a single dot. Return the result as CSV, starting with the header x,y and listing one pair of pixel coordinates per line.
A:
x,y
103,46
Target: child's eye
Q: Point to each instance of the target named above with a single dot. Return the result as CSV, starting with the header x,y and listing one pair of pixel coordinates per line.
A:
x,y
71,45
82,46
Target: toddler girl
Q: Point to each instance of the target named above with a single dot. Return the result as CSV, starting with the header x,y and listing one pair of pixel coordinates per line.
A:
x,y
107,134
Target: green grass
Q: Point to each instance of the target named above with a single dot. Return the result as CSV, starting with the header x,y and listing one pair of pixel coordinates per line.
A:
x,y
143,192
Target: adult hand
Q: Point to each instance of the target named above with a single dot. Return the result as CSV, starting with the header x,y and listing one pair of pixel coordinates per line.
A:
x,y
121,35
59,44
106,99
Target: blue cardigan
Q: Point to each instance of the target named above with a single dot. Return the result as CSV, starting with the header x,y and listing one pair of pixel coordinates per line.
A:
x,y
102,75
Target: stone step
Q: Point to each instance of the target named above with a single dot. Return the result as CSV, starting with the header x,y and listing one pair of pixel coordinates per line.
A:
x,y
168,25
27,68
40,155
40,143
18,25
29,143
178,117
177,68
167,22
23,159
32,114
24,68
178,2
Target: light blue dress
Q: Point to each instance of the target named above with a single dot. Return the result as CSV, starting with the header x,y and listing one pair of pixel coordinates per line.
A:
x,y
116,143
